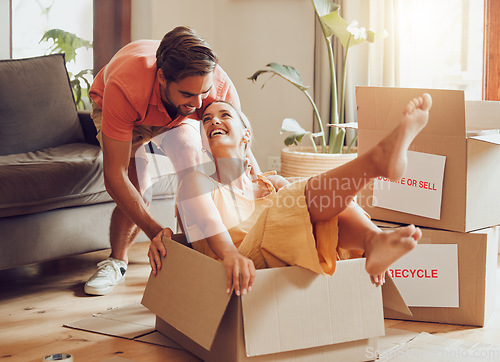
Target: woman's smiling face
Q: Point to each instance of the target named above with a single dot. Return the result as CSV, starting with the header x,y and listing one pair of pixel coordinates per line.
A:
x,y
223,128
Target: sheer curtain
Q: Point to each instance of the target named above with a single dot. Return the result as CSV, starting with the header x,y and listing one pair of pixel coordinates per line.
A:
x,y
431,44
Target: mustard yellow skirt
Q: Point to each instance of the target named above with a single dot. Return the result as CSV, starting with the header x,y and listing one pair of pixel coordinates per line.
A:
x,y
284,235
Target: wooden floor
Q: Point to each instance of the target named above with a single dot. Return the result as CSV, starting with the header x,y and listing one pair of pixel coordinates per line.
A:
x,y
36,301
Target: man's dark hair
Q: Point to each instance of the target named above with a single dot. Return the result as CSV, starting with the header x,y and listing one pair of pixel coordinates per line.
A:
x,y
182,53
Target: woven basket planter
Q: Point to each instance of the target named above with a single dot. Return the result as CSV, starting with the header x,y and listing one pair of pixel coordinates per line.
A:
x,y
301,161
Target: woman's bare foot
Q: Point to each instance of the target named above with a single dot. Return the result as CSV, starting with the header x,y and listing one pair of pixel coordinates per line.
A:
x,y
382,248
378,279
390,154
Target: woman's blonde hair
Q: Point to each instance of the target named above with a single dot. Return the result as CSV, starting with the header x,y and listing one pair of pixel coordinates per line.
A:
x,y
246,124
244,120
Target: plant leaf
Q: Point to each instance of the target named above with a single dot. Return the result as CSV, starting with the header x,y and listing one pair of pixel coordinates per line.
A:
x,y
81,76
296,132
291,125
337,26
284,71
65,42
332,23
294,138
322,8
350,125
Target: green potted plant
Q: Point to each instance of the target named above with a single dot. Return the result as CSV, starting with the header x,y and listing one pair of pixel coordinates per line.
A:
x,y
332,24
68,43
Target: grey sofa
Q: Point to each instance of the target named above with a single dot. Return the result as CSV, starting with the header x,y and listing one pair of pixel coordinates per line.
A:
x,y
53,202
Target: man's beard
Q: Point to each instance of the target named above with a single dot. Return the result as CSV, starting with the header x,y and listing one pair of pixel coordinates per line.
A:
x,y
184,113
169,105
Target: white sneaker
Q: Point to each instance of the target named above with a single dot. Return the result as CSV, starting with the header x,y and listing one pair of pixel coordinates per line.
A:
x,y
110,272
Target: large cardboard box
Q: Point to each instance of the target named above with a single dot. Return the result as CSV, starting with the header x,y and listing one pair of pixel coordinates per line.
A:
x,y
470,192
291,314
477,267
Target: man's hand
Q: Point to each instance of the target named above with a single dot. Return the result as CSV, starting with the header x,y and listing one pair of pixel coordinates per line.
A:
x,y
237,264
157,250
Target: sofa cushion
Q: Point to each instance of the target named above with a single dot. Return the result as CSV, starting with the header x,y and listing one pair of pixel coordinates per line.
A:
x,y
64,176
37,109
56,177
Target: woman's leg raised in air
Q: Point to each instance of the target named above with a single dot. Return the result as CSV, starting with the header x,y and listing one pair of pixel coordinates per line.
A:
x,y
329,193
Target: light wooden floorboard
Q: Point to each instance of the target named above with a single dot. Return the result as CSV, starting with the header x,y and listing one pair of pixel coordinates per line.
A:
x,y
36,301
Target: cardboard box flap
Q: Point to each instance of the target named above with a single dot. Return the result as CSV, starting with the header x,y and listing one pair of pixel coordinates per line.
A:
x,y
448,109
482,114
190,301
116,327
134,322
392,298
293,308
490,138
481,132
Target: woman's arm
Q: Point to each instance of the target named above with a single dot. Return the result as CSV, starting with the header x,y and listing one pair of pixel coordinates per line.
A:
x,y
201,220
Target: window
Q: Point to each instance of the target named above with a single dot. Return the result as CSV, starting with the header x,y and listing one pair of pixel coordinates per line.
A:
x,y
441,45
65,20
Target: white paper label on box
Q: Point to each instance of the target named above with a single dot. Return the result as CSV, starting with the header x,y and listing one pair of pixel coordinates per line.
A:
x,y
420,190
428,276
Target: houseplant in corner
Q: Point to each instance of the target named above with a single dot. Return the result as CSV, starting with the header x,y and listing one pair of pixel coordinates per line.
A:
x,y
68,43
308,161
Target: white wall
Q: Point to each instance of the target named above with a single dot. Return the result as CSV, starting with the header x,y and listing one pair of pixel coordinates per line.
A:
x,y
141,19
4,29
247,34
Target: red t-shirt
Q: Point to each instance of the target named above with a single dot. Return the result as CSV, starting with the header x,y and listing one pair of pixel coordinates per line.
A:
x,y
128,91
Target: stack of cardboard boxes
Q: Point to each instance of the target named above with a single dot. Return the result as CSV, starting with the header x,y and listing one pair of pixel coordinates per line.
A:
x,y
450,190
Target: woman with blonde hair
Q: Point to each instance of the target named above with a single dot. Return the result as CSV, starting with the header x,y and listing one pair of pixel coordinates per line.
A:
x,y
261,222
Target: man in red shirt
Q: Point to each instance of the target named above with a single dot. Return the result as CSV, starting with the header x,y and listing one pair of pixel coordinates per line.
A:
x,y
148,88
